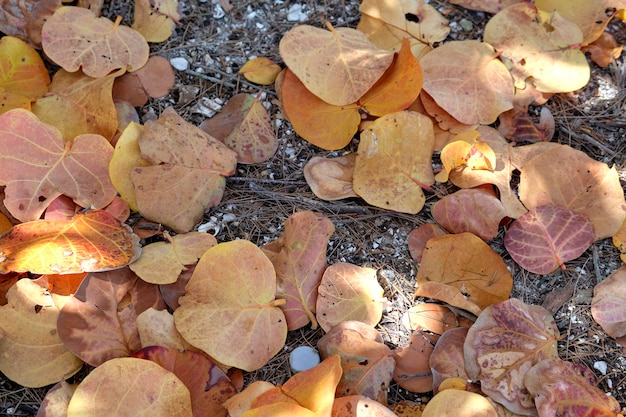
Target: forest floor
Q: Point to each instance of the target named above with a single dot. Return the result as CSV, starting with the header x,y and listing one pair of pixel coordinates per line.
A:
x,y
259,198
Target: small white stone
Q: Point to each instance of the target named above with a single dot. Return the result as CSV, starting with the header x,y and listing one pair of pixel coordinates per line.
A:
x,y
295,14
601,366
303,358
179,63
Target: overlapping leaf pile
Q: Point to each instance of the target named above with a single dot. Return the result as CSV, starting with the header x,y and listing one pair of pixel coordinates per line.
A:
x,y
182,314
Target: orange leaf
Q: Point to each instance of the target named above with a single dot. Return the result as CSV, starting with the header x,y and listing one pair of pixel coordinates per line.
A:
x,y
23,70
74,37
156,19
78,104
337,65
466,151
398,87
62,284
237,405
149,389
412,371
331,178
435,318
43,166
91,242
619,240
307,113
394,162
260,70
468,265
232,296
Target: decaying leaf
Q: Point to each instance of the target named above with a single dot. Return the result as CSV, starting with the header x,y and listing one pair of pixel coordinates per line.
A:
x,y
393,162
337,65
260,70
33,355
24,19
506,341
331,178
387,24
156,19
91,242
100,321
232,297
541,46
349,292
468,81
78,170
546,237
187,172
155,79
162,262
74,37
360,406
244,126
447,359
299,258
136,386
608,305
412,371
468,267
562,388
208,386
454,403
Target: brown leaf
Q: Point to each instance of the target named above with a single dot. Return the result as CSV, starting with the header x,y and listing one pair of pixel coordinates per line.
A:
x,y
507,339
419,237
74,37
56,401
468,81
299,259
331,178
604,50
155,79
447,359
24,18
91,242
100,321
337,65
435,318
412,371
608,306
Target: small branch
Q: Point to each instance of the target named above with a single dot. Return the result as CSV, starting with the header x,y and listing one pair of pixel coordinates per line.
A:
x,y
585,137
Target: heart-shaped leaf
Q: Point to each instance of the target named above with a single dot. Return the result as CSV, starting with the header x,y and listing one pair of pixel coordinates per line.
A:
x,y
546,237
232,297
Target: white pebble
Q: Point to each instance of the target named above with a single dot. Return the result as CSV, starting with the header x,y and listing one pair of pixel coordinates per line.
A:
x,y
601,366
295,14
303,358
179,63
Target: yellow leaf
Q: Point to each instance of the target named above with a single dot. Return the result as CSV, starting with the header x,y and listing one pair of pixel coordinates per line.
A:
x,y
260,71
394,162
33,355
454,403
468,151
238,404
619,241
156,19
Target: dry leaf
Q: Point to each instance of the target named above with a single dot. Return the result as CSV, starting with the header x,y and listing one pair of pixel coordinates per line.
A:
x,y
608,306
331,178
412,371
394,162
156,19
349,292
359,406
434,318
337,65
419,237
155,79
260,71
232,296
152,390
156,328
604,50
237,405
467,80
24,19
454,403
91,242
56,401
447,359
489,6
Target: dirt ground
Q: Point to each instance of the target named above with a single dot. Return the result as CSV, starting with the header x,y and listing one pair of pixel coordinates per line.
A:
x,y
259,198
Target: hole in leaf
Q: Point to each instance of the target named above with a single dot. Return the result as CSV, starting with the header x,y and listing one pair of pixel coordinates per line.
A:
x,y
412,17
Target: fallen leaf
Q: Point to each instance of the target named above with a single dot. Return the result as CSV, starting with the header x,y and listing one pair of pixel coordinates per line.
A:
x,y
393,162
281,409
546,237
238,404
156,328
244,126
489,6
388,23
299,259
454,403
359,406
74,37
24,19
349,292
232,296
562,388
604,50
468,81
187,172
474,210
78,170
33,355
162,262
91,242
312,389
208,386
412,371
406,408
77,104
61,284
507,340
23,72
444,119
337,65
397,88
367,364
260,71
468,265
467,151
608,306
155,79
155,20
307,113
449,295
57,400
126,114
331,178
434,318
148,389
539,45
577,182
420,236
100,321
447,359
619,240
